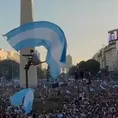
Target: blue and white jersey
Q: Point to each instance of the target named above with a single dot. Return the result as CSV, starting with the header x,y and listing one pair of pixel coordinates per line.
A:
x,y
35,57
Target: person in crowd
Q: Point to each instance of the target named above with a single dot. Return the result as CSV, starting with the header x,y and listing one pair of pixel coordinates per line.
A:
x,y
102,103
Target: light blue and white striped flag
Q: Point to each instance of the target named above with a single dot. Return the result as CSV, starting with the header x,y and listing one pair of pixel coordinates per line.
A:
x,y
45,34
25,98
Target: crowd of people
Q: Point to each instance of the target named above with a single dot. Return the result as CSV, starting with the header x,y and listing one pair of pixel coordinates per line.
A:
x,y
80,102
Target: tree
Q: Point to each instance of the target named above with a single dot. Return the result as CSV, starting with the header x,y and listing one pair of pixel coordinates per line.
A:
x,y
72,71
9,69
82,65
92,66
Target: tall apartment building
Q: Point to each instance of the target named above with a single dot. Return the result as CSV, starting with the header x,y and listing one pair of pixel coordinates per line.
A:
x,y
9,55
3,54
100,57
108,56
14,55
111,56
68,62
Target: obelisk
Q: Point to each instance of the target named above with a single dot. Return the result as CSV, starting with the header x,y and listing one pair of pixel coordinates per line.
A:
x,y
26,17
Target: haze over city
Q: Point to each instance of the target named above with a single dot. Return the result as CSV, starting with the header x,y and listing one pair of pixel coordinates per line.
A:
x,y
85,23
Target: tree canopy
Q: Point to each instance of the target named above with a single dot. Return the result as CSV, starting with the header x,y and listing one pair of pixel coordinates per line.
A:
x,y
82,65
72,70
90,65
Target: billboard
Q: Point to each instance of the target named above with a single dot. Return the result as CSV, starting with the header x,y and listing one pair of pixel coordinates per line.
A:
x,y
113,35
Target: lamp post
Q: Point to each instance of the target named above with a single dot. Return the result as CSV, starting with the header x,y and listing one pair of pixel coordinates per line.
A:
x,y
12,69
26,75
77,79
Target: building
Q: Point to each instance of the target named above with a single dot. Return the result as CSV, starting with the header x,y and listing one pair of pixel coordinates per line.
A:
x,y
68,62
108,56
111,56
100,57
3,54
14,56
9,55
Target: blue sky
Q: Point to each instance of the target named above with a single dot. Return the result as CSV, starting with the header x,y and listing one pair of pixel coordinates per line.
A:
x,y
85,22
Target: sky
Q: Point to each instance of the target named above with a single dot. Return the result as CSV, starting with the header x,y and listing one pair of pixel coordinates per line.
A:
x,y
85,22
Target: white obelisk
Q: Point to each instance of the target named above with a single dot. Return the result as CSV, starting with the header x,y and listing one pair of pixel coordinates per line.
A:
x,y
26,17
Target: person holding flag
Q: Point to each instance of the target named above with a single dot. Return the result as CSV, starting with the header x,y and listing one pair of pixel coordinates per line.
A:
x,y
33,59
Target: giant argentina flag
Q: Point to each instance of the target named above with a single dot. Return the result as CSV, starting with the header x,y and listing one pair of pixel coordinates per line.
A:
x,y
45,34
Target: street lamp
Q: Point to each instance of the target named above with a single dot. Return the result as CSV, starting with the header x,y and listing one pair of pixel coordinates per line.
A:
x,y
48,74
